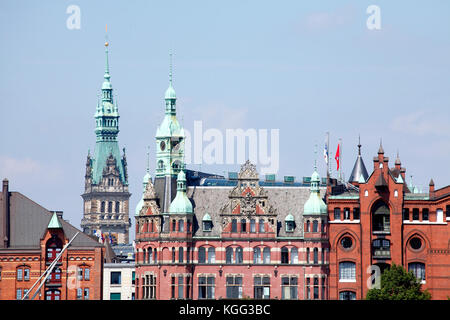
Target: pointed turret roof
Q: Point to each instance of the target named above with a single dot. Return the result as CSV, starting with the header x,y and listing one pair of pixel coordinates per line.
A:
x,y
54,222
359,171
315,204
181,203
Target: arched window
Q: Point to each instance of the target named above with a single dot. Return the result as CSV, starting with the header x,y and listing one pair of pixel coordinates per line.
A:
x,y
117,207
284,255
150,255
180,225
316,255
243,225
266,255
229,255
252,225
202,255
174,225
307,226
160,164
294,255
211,255
315,226
239,255
257,255
380,217
53,248
418,269
102,206
307,255
155,256
233,225
110,205
173,255
180,254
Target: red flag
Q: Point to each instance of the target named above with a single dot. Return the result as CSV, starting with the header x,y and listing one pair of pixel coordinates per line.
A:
x,y
336,157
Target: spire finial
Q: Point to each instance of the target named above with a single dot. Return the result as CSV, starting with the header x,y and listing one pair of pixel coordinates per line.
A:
x,y
106,52
170,67
359,144
148,159
315,157
380,150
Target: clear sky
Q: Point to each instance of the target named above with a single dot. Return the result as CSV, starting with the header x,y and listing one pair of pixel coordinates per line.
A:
x,y
304,68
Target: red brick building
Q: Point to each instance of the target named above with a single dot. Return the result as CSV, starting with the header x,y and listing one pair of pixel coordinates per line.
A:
x,y
380,220
238,240
31,238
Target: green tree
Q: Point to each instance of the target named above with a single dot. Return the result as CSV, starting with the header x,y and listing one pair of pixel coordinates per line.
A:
x,y
398,284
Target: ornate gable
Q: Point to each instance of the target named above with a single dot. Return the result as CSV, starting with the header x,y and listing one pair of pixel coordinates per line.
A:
x,y
248,197
150,206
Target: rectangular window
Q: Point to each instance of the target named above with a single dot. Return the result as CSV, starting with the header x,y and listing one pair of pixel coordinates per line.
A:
x,y
116,277
252,225
261,225
289,288
19,274
180,287
86,294
355,213
117,206
234,225
337,213
347,271
206,287
173,286
425,214
406,214
261,287
79,293
133,278
416,214
180,254
308,289
234,287
26,274
80,273
346,213
87,275
114,296
447,211
181,226
19,294
316,289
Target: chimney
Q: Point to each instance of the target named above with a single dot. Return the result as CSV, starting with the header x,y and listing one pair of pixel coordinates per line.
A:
x,y
5,215
431,185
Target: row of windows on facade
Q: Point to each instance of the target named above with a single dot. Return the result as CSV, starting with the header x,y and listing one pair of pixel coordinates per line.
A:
x,y
347,270
178,226
54,294
23,274
406,214
111,206
416,216
181,287
234,255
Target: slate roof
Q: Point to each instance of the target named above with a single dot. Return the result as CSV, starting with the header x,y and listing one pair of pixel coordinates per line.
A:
x,y
286,200
29,222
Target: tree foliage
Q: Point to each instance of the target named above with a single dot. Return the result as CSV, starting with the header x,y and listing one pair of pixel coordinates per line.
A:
x,y
398,284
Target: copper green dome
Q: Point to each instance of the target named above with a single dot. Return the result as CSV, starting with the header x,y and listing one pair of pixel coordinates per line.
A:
x,y
315,204
181,203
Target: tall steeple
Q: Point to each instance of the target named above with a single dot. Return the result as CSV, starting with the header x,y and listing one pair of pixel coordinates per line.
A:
x,y
169,136
359,172
106,195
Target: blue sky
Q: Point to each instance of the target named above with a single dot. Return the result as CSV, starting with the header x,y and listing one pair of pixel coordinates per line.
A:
x,y
302,67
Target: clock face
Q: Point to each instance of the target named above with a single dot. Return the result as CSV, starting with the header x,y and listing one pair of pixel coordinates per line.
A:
x,y
162,145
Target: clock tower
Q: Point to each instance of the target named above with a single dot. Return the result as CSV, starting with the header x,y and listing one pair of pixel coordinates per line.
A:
x,y
169,149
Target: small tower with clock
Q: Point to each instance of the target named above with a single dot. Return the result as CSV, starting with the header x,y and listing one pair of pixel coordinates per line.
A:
x,y
169,149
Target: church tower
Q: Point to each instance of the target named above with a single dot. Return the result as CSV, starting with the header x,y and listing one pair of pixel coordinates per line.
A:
x,y
106,196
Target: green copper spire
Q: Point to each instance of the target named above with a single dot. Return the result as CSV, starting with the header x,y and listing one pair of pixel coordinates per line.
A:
x,y
169,136
315,205
181,203
106,128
